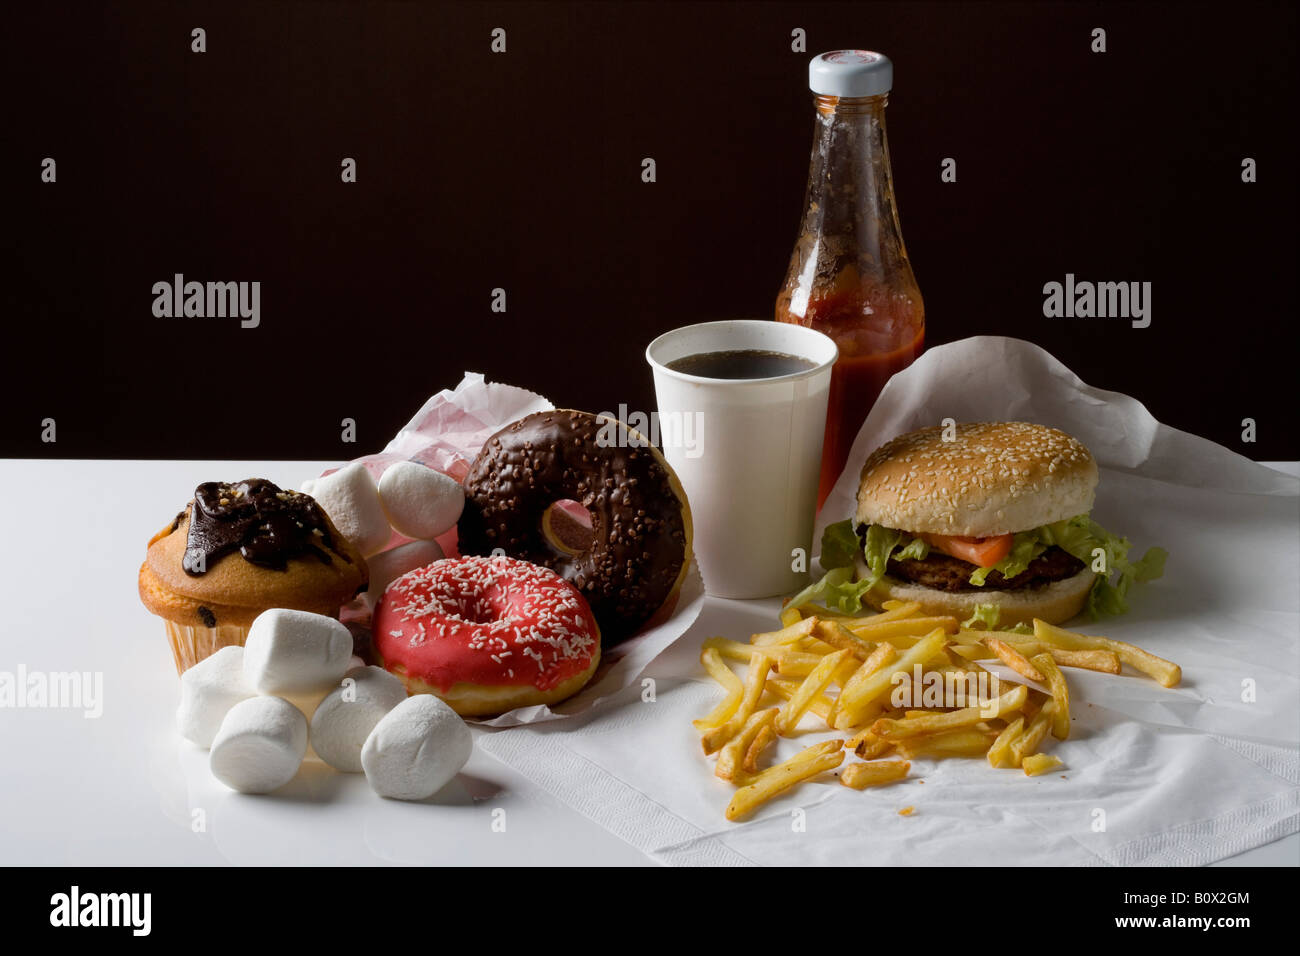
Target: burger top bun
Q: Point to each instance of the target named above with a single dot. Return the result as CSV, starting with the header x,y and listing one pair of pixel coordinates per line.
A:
x,y
992,478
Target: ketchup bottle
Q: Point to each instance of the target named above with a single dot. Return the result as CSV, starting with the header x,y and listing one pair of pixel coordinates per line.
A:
x,y
849,276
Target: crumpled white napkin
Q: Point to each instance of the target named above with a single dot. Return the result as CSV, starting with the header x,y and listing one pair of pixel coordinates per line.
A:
x,y
1152,776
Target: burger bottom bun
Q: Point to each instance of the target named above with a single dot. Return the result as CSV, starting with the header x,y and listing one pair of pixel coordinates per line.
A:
x,y
1054,603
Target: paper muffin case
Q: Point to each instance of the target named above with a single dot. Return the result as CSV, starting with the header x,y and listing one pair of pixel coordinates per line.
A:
x,y
192,644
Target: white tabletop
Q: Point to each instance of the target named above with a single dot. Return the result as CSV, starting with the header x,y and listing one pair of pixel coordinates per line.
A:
x,y
124,789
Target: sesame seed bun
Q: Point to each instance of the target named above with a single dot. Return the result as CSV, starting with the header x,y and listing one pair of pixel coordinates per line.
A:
x,y
991,478
1054,603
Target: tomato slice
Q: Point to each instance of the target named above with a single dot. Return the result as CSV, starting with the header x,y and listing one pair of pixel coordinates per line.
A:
x,y
984,552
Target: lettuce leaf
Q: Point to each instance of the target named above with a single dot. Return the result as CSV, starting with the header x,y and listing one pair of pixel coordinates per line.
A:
x,y
841,548
1080,536
1025,547
836,589
986,618
840,545
878,544
1083,538
916,549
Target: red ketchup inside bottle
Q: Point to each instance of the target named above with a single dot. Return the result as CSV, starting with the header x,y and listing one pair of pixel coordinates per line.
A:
x,y
849,276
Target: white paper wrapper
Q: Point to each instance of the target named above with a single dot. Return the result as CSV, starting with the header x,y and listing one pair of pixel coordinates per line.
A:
x,y
990,378
447,433
450,428
1153,776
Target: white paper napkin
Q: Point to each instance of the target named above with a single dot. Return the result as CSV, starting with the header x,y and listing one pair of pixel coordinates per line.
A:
x,y
1152,776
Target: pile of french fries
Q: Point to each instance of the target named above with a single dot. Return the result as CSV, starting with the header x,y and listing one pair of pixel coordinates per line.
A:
x,y
844,669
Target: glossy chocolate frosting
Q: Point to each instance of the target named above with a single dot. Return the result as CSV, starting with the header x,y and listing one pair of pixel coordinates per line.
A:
x,y
638,535
267,524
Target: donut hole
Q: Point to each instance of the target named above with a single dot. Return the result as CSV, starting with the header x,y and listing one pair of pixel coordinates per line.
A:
x,y
567,526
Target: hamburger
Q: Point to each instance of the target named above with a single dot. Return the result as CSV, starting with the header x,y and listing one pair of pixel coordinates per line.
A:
x,y
989,522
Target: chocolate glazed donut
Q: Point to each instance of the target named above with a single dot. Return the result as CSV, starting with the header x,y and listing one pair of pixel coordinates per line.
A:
x,y
640,543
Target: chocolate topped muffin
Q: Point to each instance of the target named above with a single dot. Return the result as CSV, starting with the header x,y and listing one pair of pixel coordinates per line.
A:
x,y
236,550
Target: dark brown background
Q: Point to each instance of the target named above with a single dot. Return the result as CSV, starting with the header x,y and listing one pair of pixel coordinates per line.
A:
x,y
523,171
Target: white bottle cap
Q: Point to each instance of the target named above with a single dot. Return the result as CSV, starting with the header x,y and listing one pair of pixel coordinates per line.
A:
x,y
850,73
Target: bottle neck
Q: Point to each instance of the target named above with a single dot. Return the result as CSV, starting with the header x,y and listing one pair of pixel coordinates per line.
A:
x,y
851,105
850,183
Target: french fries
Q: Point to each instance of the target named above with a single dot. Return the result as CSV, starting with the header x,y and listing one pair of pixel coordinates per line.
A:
x,y
1105,662
775,780
855,673
957,743
837,635
865,686
1036,764
859,776
1027,743
816,682
761,743
713,740
999,752
1060,696
732,756
888,729
1013,659
815,646
867,745
1166,673
903,629
791,663
734,650
971,637
894,611
785,688
882,655
725,676
790,616
790,634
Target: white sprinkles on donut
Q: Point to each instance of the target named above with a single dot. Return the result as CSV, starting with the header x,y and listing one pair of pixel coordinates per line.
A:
x,y
460,591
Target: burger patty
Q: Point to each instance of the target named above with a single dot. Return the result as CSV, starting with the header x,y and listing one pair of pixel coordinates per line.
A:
x,y
943,572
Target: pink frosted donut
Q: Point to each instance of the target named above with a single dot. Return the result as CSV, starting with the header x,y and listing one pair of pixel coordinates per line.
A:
x,y
487,634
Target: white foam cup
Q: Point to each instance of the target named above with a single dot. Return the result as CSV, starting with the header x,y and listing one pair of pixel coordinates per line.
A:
x,y
747,451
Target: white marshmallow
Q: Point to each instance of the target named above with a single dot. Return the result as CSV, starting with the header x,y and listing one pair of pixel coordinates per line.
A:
x,y
208,690
388,566
260,745
295,652
416,749
347,715
420,501
351,499
308,487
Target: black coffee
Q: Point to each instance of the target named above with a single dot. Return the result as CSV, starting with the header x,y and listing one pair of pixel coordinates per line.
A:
x,y
741,363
